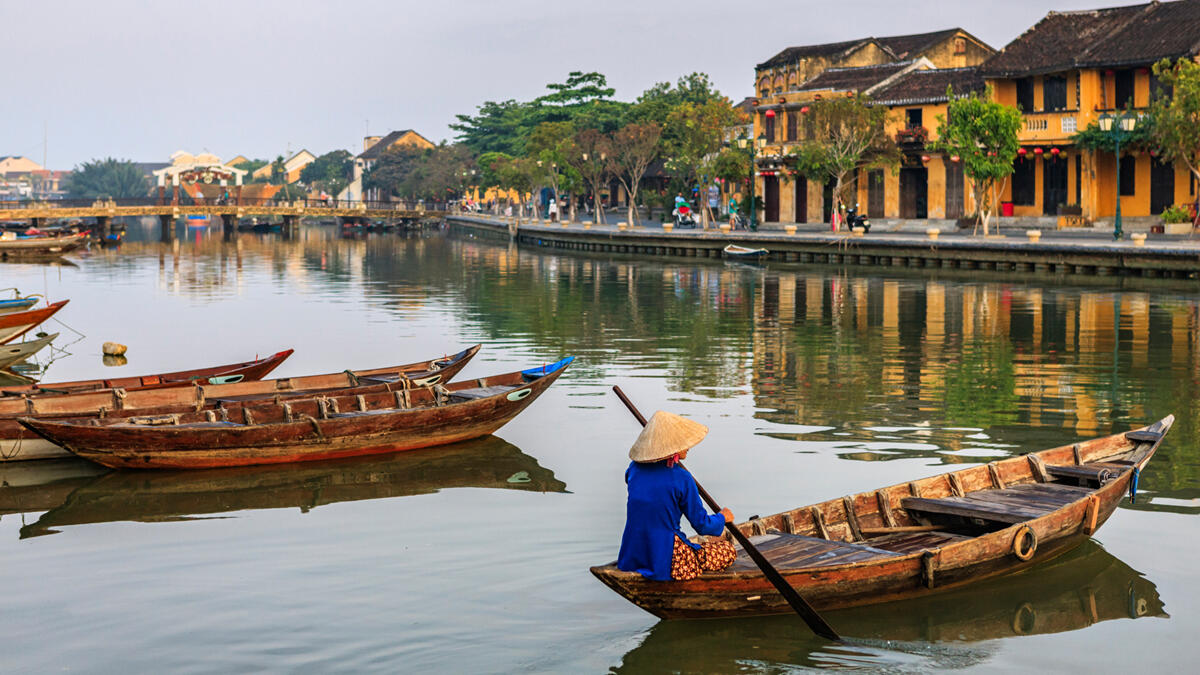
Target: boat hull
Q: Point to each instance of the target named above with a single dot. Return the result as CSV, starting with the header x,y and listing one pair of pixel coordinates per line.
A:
x,y
19,351
884,578
13,326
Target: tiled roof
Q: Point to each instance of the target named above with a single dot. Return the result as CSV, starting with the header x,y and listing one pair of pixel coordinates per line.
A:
x,y
854,79
908,46
929,86
1117,36
792,54
384,143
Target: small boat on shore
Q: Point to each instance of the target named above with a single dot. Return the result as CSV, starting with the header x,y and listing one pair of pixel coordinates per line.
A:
x,y
18,444
19,351
295,430
40,246
225,374
16,324
742,253
916,538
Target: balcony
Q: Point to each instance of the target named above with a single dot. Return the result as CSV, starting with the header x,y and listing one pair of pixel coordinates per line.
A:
x,y
1046,127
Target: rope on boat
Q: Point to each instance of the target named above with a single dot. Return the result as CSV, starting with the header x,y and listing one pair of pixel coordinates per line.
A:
x,y
1133,485
352,377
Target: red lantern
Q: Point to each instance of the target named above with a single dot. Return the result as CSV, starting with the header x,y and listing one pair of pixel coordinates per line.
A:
x,y
1037,151
782,100
991,153
817,97
924,158
1021,151
804,110
770,113
1055,151
849,94
754,103
955,158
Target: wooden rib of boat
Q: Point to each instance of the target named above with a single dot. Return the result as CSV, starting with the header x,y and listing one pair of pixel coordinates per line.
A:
x,y
224,374
19,351
11,305
743,253
13,326
41,247
324,427
17,443
915,538
489,462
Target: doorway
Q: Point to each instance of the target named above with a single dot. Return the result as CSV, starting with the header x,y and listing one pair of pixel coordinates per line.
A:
x,y
954,190
1054,184
914,193
875,193
771,199
1162,185
801,199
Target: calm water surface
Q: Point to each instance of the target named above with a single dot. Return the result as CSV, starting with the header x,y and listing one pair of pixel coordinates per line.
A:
x,y
815,382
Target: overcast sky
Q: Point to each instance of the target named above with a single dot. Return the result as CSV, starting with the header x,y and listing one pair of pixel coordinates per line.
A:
x,y
140,80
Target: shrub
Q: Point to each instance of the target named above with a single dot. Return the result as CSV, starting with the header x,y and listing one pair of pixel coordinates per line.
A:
x,y
1177,213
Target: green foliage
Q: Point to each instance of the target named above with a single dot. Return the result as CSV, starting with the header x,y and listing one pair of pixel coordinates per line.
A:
x,y
330,172
442,172
107,178
694,134
1094,138
848,135
731,165
550,144
1177,116
983,134
490,168
656,102
250,166
290,192
1177,213
278,171
981,386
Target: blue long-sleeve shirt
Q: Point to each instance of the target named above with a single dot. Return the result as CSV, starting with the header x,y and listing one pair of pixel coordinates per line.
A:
x,y
658,496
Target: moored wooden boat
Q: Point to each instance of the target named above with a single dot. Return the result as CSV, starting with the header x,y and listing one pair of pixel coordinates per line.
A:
x,y
16,324
223,374
10,305
915,538
19,351
41,246
742,253
325,427
18,443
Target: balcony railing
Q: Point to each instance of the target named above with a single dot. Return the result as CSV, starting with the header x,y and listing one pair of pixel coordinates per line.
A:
x,y
1052,124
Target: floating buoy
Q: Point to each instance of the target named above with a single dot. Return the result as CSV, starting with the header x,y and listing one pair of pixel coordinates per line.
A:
x,y
113,349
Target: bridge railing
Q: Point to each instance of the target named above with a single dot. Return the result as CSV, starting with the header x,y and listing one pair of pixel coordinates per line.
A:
x,y
373,205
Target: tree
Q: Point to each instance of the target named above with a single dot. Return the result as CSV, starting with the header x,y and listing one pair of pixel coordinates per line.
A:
x,y
983,134
590,160
551,145
848,135
634,147
251,165
278,171
330,172
107,178
692,140
392,169
1176,116
656,102
517,173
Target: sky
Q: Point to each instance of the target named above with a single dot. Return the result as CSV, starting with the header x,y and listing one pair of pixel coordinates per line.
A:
x,y
139,80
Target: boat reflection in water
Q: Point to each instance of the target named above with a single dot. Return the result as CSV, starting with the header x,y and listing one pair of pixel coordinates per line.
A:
x,y
951,629
141,496
31,487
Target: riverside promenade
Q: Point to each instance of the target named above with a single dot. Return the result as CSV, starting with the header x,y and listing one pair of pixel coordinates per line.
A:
x,y
1158,256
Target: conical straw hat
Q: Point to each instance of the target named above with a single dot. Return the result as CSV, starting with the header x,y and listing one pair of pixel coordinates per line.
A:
x,y
664,435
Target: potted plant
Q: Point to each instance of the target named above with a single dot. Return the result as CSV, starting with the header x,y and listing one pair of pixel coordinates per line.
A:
x,y
1177,219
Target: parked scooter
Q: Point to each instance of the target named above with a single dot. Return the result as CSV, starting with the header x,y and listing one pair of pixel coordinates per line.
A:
x,y
854,219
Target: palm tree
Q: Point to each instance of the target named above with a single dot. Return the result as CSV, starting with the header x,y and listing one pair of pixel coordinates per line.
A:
x,y
107,178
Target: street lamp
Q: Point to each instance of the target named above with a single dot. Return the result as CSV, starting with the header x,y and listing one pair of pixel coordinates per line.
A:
x,y
745,144
1121,127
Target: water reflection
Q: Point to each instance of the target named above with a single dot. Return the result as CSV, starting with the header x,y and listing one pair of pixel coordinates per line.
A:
x,y
147,496
1072,592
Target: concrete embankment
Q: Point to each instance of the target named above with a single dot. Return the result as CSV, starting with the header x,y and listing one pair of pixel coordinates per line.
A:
x,y
1011,253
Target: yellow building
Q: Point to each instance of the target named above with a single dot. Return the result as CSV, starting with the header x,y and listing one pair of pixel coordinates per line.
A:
x,y
895,67
1064,73
373,148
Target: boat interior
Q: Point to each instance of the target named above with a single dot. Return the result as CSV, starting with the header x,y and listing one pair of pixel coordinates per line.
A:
x,y
943,509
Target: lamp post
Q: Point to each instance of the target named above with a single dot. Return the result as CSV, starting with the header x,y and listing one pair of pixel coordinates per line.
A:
x,y
745,144
1120,126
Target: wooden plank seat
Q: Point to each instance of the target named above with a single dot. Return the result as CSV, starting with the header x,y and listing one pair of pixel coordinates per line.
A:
x,y
481,392
985,505
793,551
904,543
1095,471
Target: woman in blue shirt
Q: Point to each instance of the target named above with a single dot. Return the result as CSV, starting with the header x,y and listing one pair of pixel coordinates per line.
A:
x,y
660,492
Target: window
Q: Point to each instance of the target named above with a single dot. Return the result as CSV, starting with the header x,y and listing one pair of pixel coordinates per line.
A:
x,y
960,46
769,127
793,118
1024,183
914,117
1054,93
1124,89
1025,95
1128,176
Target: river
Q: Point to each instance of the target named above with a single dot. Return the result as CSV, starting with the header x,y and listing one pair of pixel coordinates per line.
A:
x,y
816,381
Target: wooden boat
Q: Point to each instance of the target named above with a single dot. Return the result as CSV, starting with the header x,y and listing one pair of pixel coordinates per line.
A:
x,y
915,538
41,247
325,427
742,253
19,351
13,326
17,443
489,462
10,305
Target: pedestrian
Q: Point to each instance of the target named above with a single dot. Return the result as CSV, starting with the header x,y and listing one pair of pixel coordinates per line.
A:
x,y
552,209
660,492
733,212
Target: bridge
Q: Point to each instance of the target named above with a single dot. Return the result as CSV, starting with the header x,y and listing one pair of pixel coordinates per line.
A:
x,y
228,209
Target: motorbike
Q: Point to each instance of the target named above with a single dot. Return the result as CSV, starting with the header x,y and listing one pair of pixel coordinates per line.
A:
x,y
855,219
683,216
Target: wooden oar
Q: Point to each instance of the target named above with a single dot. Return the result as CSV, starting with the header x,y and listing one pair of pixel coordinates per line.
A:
x,y
805,610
